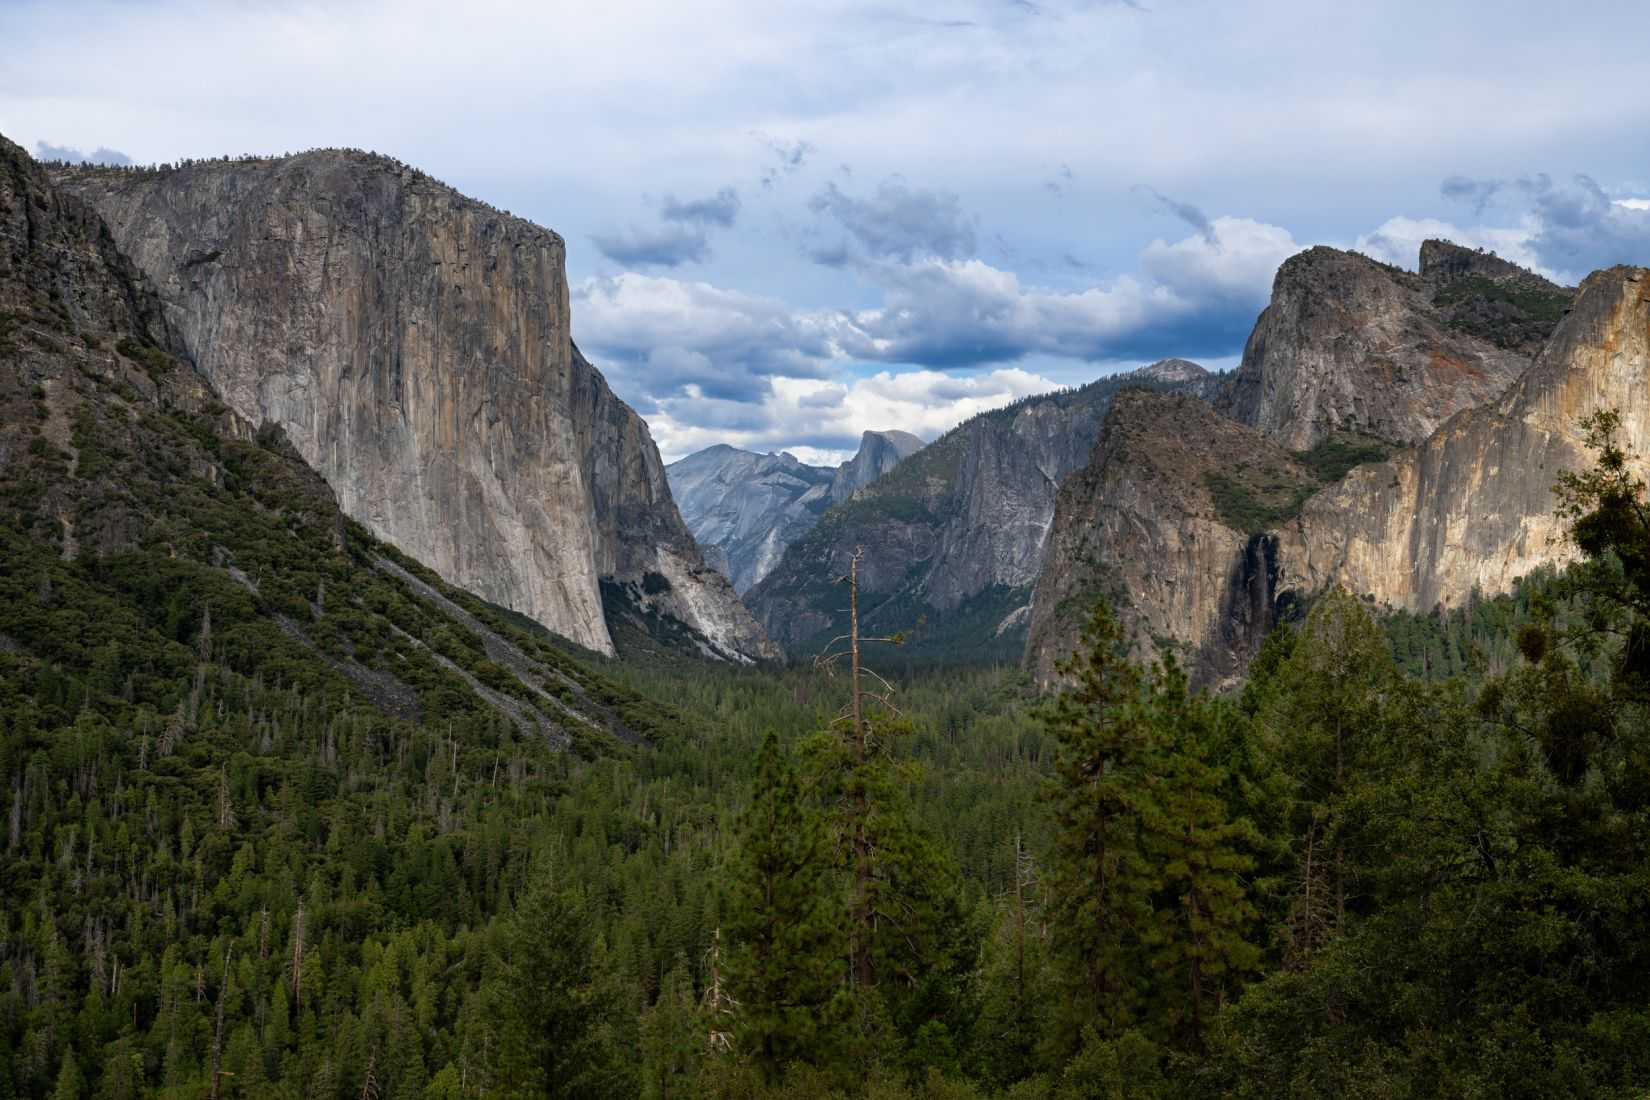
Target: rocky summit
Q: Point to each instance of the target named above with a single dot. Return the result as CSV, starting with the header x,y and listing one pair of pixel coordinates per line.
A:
x,y
746,508
413,344
1350,347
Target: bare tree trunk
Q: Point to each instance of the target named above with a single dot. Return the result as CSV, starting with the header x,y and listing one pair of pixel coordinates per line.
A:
x,y
217,1034
864,914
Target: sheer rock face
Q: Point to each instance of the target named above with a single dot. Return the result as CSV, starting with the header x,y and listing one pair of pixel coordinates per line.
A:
x,y
1352,346
746,508
1139,526
955,534
414,346
1472,506
1469,508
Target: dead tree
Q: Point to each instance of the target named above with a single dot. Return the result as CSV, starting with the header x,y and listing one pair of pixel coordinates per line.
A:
x,y
861,746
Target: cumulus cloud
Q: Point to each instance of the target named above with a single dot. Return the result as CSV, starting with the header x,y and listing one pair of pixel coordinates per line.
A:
x,y
1196,296
1582,228
45,150
897,222
1565,231
659,246
719,209
820,421
664,335
1398,241
704,359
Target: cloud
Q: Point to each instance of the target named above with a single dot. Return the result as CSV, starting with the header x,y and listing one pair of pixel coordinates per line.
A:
x,y
1185,211
683,239
1398,241
719,209
898,222
706,364
1565,231
820,421
1474,192
45,150
664,246
786,157
1582,228
1196,296
664,335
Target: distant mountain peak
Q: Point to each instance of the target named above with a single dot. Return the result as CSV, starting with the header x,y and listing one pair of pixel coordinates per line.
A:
x,y
745,508
1171,370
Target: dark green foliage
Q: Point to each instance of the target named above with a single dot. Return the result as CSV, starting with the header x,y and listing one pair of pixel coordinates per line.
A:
x,y
783,919
151,358
1330,460
561,1016
1259,495
1507,312
1152,898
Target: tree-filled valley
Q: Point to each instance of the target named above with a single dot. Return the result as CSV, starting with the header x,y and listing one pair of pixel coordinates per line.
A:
x,y
290,813
228,873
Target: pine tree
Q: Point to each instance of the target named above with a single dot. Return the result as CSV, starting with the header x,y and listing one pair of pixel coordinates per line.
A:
x,y
71,1085
785,971
1102,878
1200,940
555,1001
1330,701
673,1039
1013,981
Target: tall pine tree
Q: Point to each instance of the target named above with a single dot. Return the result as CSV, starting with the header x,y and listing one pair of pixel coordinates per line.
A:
x,y
786,969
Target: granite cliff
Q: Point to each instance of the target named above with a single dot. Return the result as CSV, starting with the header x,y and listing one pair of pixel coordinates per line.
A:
x,y
1349,347
1205,532
1472,507
414,346
150,535
953,537
1166,523
746,508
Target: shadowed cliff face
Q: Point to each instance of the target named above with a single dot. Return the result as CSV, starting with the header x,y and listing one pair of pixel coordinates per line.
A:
x,y
414,346
1142,525
1349,346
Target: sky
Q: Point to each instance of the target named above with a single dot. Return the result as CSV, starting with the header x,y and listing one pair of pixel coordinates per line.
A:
x,y
790,221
